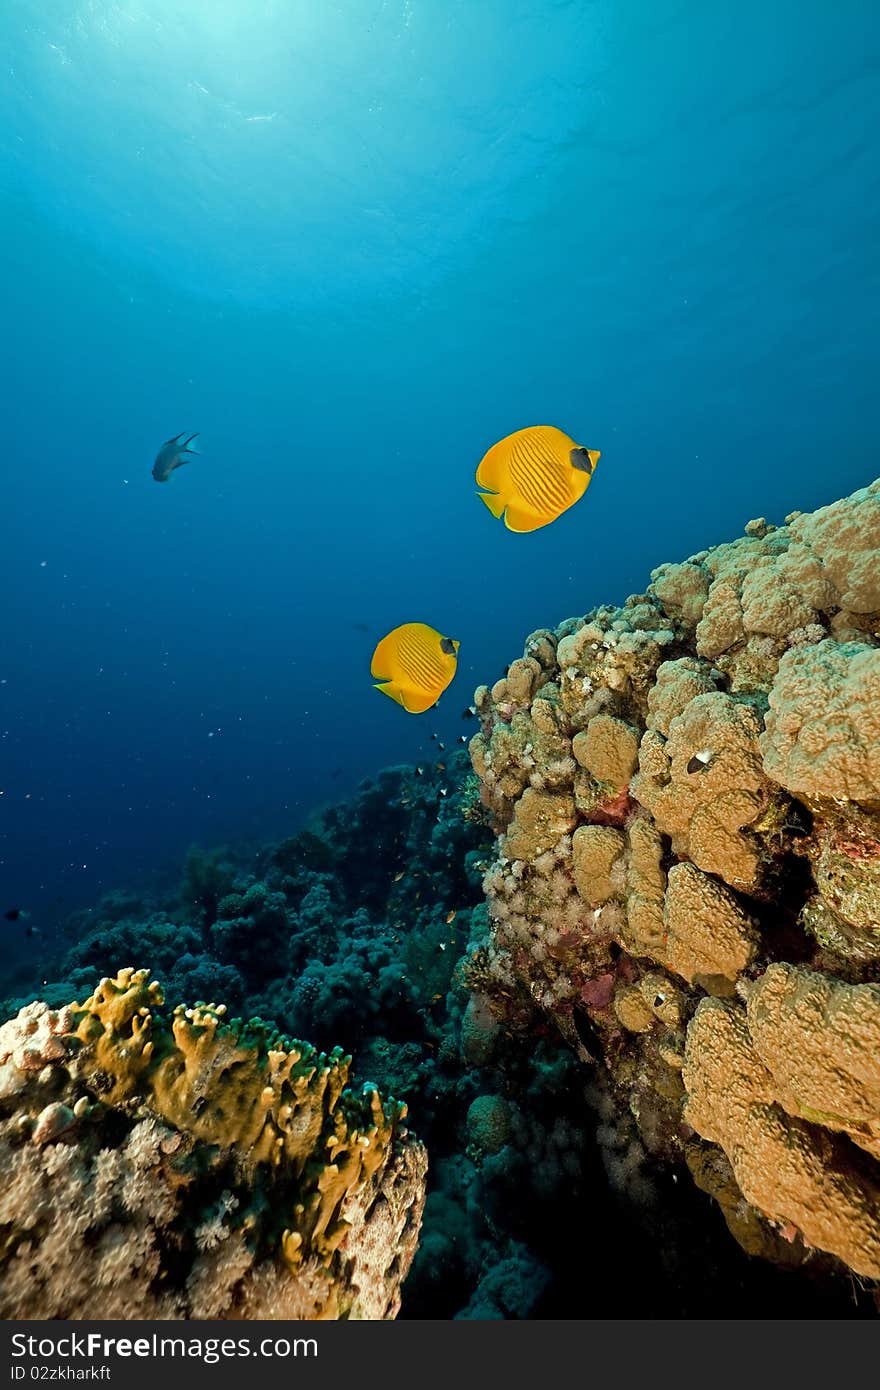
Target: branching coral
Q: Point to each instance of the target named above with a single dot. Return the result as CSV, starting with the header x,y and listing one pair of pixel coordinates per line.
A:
x,y
179,1165
382,895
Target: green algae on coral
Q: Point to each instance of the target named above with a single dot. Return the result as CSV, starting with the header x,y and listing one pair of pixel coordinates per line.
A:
x,y
259,1129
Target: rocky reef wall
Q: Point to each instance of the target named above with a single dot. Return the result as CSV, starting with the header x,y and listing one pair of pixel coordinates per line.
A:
x,y
686,796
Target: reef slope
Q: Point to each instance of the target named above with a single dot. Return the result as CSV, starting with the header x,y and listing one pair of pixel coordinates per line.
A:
x,y
686,796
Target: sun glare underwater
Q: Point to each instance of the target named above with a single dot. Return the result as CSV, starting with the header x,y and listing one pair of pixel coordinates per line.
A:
x,y
341,260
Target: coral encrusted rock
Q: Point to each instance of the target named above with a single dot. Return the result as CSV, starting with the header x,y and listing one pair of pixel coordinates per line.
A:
x,y
686,795
173,1164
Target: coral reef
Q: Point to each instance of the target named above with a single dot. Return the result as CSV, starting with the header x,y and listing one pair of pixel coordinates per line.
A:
x,y
177,1165
368,927
352,930
685,792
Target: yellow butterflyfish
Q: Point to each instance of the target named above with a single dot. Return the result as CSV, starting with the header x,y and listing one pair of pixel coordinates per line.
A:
x,y
414,664
532,476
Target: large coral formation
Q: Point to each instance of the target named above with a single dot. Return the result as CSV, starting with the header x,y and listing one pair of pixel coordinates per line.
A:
x,y
822,734
180,1165
686,794
795,1173
820,1040
708,939
351,930
709,811
367,927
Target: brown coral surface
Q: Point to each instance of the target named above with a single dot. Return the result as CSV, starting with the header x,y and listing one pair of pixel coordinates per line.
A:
x,y
686,793
172,1164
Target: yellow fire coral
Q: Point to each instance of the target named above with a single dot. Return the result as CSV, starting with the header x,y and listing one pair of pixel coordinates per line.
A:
x,y
191,1167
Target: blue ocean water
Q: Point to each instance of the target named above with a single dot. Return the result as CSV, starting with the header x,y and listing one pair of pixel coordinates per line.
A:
x,y
353,244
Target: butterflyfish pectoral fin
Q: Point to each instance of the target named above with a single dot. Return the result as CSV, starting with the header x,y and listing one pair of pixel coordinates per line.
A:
x,y
494,502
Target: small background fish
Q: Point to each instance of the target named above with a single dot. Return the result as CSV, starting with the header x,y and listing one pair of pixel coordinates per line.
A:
x,y
173,454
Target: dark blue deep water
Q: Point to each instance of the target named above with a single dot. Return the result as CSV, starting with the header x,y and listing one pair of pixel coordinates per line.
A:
x,y
353,243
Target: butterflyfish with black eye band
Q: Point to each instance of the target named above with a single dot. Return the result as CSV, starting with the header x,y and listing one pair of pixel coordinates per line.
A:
x,y
534,475
413,665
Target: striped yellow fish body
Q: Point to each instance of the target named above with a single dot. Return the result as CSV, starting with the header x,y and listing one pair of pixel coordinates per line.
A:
x,y
534,475
414,664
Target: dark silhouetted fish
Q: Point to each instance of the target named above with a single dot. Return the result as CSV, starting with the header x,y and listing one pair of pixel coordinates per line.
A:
x,y
12,914
173,454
